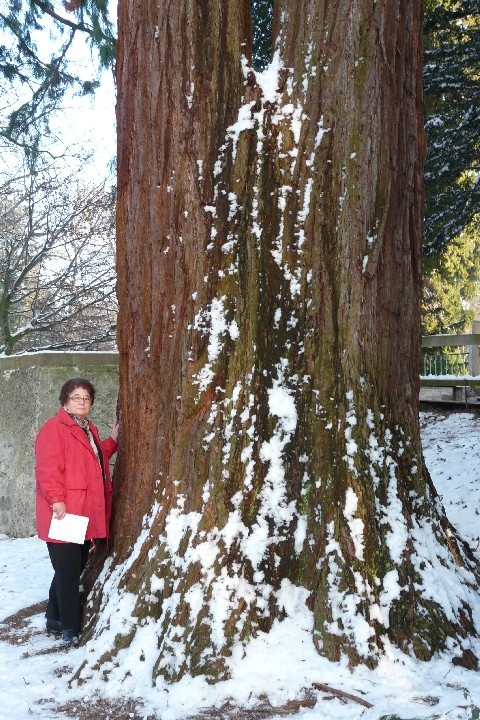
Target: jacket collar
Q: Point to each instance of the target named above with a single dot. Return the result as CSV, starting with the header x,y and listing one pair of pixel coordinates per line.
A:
x,y
78,433
66,419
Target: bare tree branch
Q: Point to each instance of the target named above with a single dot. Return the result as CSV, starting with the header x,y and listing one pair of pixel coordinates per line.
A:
x,y
57,276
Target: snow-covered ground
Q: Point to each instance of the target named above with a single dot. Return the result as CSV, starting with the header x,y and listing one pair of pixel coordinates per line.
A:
x,y
284,664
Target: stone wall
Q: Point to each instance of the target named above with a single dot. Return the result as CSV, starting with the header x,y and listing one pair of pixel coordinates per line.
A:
x,y
29,390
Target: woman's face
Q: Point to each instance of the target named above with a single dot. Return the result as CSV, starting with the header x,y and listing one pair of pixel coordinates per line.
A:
x,y
79,403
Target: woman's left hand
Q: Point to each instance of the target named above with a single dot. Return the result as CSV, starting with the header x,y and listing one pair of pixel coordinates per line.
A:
x,y
115,428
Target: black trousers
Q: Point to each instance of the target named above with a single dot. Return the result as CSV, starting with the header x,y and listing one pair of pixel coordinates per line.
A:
x,y
68,560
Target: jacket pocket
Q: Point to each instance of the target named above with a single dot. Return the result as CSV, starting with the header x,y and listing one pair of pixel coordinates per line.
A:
x,y
76,483
76,502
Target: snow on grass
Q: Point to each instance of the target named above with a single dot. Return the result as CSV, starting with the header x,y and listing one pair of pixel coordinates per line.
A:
x,y
26,584
282,663
451,447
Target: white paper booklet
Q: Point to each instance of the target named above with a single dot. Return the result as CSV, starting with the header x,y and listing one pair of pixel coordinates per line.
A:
x,y
71,528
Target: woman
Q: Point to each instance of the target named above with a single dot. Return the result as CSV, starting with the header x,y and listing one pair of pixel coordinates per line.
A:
x,y
73,476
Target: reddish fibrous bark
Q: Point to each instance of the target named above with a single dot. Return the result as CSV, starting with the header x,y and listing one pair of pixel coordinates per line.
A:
x,y
269,333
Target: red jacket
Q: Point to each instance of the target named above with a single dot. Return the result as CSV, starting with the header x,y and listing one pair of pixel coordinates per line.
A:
x,y
67,470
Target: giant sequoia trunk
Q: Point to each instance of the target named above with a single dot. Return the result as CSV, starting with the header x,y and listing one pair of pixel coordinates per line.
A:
x,y
269,236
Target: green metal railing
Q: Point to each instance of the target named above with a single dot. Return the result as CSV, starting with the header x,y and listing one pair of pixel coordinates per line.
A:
x,y
457,359
445,363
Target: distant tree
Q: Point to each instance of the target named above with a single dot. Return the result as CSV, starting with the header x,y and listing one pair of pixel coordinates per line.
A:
x,y
451,285
57,263
452,168
451,102
262,19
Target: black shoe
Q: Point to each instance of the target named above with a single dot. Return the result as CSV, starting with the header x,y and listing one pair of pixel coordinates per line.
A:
x,y
70,637
53,626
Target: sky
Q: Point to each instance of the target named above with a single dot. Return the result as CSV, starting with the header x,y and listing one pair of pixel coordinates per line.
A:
x,y
35,669
91,120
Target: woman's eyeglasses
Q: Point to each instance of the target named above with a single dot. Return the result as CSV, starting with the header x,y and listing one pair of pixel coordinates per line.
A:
x,y
79,398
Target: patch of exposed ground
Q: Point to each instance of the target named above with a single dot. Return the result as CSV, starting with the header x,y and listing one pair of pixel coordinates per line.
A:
x,y
16,629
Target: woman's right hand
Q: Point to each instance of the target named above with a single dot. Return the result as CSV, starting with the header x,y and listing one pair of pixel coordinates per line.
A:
x,y
59,510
